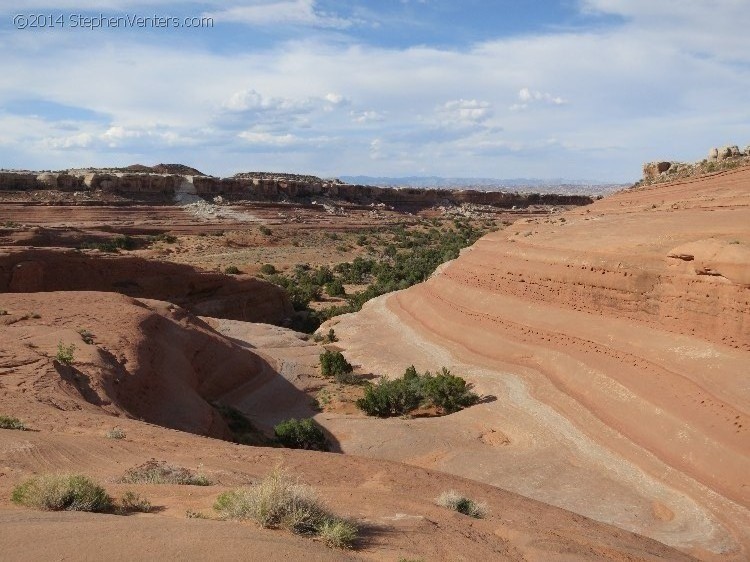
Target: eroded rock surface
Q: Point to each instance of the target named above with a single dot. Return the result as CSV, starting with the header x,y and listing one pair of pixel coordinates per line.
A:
x,y
616,339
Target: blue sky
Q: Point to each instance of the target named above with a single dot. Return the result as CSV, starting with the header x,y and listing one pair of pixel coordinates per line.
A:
x,y
478,88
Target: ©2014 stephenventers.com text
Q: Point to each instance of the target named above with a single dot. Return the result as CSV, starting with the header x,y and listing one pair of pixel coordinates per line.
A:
x,y
102,21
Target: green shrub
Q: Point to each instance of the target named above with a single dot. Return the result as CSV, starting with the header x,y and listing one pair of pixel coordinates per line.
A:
x,y
398,397
159,472
455,501
279,501
335,288
448,392
242,428
7,422
301,434
62,493
333,363
267,269
117,243
265,231
232,270
395,397
65,353
163,237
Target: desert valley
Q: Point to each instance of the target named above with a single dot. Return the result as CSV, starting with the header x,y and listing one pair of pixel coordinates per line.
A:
x,y
160,327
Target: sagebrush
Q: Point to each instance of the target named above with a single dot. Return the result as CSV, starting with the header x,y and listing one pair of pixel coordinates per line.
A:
x,y
72,492
159,472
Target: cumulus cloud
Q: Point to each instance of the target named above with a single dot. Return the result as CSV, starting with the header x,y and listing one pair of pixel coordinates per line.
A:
x,y
80,140
368,116
251,100
643,77
528,96
464,112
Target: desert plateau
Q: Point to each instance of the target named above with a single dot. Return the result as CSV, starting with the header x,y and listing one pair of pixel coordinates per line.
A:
x,y
489,300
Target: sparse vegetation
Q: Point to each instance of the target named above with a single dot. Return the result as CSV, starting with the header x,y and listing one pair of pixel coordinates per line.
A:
x,y
190,514
267,269
116,433
335,288
338,533
279,501
301,434
408,257
7,422
333,363
62,493
86,336
159,472
65,353
455,501
242,428
116,244
265,231
400,396
232,270
134,503
163,237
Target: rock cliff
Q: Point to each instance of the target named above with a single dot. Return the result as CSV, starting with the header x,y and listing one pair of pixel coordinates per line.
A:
x,y
29,270
265,188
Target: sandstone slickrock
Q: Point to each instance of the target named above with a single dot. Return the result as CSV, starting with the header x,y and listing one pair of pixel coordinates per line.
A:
x,y
616,343
28,270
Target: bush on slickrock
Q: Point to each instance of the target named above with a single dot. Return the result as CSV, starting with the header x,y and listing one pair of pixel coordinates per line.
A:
x,y
398,397
7,422
333,363
301,434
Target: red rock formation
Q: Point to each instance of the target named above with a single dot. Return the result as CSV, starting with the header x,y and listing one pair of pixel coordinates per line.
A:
x,y
271,189
616,339
27,270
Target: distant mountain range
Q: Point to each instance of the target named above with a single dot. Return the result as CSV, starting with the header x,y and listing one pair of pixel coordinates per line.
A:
x,y
554,185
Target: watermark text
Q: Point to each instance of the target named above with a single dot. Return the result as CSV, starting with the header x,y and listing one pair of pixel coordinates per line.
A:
x,y
103,21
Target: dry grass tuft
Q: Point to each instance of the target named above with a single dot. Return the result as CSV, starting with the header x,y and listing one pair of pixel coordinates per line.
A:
x,y
279,501
455,501
62,493
159,472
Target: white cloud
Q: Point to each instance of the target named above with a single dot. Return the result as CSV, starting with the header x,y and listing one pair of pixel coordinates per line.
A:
x,y
335,99
369,116
250,100
268,139
465,112
528,96
643,79
290,12
80,140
